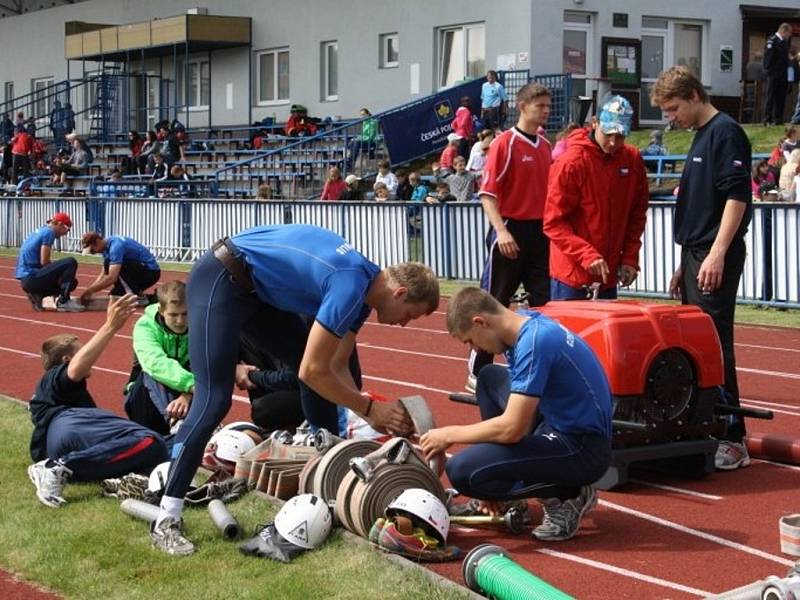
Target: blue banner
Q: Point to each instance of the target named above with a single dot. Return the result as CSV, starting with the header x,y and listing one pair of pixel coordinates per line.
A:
x,y
423,128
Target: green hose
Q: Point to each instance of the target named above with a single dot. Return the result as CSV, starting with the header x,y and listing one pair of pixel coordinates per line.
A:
x,y
488,570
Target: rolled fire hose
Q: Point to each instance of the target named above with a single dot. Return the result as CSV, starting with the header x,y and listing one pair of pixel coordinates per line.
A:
x,y
139,509
335,464
377,479
488,570
305,483
324,440
224,520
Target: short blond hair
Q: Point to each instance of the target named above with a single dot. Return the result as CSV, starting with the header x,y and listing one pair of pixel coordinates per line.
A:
x,y
468,303
419,280
677,82
55,348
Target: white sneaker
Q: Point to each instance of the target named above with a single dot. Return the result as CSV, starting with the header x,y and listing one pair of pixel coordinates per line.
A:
x,y
472,383
731,456
49,482
70,305
167,536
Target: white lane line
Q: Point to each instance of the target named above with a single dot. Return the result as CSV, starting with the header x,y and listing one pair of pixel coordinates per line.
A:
x,y
625,572
759,347
416,386
441,331
775,410
414,353
677,490
768,403
697,533
776,464
770,373
59,325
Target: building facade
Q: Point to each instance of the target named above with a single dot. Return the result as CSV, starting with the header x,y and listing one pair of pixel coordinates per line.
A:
x,y
335,57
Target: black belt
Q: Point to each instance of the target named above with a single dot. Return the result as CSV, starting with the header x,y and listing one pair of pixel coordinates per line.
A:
x,y
225,252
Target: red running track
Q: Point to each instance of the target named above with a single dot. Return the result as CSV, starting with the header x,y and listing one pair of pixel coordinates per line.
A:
x,y
659,537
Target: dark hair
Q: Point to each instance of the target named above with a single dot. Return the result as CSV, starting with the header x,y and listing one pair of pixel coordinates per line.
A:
x,y
172,292
55,348
384,164
466,304
530,91
465,101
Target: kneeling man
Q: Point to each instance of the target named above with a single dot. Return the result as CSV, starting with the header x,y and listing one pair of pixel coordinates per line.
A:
x,y
545,429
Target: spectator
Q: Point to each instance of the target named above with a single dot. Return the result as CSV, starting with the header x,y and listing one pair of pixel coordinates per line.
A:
x,y
448,155
420,190
789,142
30,127
763,180
477,155
493,102
264,192
712,212
161,383
57,125
386,176
69,118
149,147
78,162
462,125
437,172
160,169
776,66
513,192
404,188
130,163
596,207
462,183
794,189
656,146
366,140
20,122
334,186
442,194
381,191
353,191
109,189
127,266
6,129
183,190
299,123
788,171
21,149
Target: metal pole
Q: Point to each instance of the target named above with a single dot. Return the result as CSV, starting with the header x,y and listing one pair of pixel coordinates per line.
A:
x,y
210,95
186,81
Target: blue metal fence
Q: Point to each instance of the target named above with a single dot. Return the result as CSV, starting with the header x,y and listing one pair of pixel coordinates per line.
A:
x,y
449,238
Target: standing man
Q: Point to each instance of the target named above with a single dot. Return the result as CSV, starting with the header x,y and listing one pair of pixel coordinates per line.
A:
x,y
127,266
776,66
545,429
41,277
263,280
596,207
512,192
493,98
712,212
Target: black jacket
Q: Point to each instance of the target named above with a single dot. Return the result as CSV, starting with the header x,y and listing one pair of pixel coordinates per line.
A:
x,y
776,57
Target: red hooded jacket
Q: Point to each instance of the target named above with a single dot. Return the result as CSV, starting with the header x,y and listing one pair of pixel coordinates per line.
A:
x,y
596,208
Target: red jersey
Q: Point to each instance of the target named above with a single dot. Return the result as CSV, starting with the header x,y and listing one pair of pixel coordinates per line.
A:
x,y
22,143
515,174
448,156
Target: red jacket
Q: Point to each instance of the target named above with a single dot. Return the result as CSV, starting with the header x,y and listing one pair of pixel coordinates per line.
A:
x,y
22,143
300,124
596,208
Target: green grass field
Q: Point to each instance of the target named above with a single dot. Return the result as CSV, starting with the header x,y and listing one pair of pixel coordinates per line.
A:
x,y
89,549
762,139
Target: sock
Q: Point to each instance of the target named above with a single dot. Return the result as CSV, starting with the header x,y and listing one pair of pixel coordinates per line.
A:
x,y
171,508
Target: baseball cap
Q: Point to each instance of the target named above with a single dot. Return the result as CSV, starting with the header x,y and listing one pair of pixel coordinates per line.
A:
x,y
351,179
453,137
62,218
616,116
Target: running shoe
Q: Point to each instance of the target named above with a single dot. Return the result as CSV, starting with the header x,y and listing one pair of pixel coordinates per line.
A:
x,y
49,482
563,519
731,455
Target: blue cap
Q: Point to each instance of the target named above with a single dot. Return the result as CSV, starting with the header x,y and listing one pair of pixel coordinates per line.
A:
x,y
616,116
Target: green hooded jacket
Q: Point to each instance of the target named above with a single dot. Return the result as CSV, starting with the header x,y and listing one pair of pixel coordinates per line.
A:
x,y
160,352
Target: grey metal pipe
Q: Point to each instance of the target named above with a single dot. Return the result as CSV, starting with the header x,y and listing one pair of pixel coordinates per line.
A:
x,y
139,509
224,520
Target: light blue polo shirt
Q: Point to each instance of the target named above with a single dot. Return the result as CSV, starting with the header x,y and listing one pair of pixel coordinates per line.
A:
x,y
552,363
309,270
492,94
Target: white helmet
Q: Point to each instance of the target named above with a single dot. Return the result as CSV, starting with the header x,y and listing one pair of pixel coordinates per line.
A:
x,y
427,508
305,521
158,478
231,444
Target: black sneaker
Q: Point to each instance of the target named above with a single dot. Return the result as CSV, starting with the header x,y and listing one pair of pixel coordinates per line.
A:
x,y
36,301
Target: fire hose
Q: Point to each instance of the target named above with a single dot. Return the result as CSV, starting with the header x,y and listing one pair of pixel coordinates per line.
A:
x,y
334,465
375,480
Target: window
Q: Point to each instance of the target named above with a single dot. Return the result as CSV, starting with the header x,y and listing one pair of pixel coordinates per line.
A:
x,y
389,50
9,93
272,74
462,54
689,47
577,49
330,71
199,74
42,97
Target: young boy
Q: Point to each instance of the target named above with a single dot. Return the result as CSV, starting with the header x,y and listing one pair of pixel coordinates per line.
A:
x,y
442,194
386,177
462,183
448,155
161,385
72,438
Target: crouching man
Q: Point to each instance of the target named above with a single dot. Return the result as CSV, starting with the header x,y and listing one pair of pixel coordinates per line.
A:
x,y
161,385
72,438
545,429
